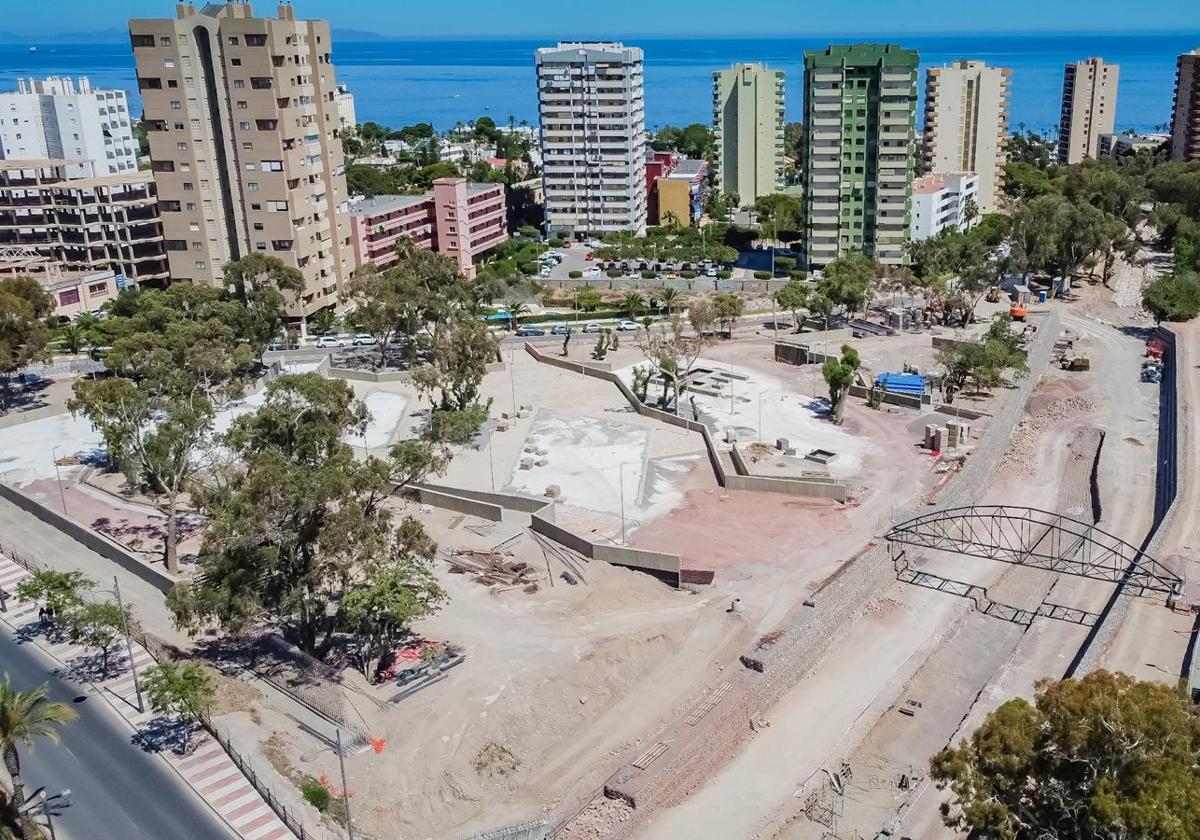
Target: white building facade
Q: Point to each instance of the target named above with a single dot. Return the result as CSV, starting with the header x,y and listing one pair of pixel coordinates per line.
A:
x,y
593,138
942,202
59,118
343,100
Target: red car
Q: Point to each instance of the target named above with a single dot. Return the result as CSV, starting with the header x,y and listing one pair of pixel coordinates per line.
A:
x,y
567,244
588,257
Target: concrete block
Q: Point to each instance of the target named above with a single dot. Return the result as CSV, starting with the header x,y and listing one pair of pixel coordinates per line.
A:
x,y
541,462
523,413
731,436
526,463
553,491
502,426
782,444
939,440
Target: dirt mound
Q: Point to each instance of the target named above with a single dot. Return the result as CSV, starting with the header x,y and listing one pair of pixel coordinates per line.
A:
x,y
1023,444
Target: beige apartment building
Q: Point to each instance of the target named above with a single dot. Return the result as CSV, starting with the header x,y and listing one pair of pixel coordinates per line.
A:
x,y
1089,108
1185,119
242,118
966,125
748,130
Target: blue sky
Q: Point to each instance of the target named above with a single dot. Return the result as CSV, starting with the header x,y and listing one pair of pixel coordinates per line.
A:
x,y
626,18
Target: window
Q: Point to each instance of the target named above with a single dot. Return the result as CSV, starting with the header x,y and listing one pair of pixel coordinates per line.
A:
x,y
176,105
272,166
169,63
261,246
191,205
169,206
176,245
242,106
255,206
235,62
172,83
239,83
181,146
146,83
98,289
140,41
164,40
261,83
163,165
258,225
194,226
187,186
71,296
201,265
233,41
251,167
197,246
277,206
252,186
266,125
247,146
178,126
256,40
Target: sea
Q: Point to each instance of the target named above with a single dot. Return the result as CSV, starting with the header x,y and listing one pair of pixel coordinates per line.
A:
x,y
398,83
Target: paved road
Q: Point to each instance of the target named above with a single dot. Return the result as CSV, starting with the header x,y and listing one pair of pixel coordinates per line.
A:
x,y
117,790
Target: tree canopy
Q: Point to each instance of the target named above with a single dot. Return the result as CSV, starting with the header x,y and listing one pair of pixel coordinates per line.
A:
x,y
1102,756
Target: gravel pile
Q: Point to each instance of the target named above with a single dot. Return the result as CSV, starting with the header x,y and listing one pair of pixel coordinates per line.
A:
x,y
1022,451
601,819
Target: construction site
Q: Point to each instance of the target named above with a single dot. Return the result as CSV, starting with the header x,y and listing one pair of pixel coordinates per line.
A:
x,y
658,608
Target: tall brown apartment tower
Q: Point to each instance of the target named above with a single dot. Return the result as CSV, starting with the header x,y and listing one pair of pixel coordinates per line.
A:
x,y
241,116
1185,120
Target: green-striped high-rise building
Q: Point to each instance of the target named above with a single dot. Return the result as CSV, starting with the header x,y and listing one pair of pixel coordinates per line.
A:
x,y
860,106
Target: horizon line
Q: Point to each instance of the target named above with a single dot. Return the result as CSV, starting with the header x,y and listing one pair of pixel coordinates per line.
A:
x,y
841,35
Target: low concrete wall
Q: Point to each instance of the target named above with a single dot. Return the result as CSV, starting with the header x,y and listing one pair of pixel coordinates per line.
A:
x,y
89,539
533,830
541,525
509,501
902,400
790,486
367,375
460,504
842,334
665,566
18,417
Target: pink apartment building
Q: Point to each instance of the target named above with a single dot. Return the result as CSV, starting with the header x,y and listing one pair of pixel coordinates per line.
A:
x,y
458,219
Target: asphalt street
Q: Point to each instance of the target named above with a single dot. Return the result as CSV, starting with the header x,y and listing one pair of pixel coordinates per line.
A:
x,y
118,791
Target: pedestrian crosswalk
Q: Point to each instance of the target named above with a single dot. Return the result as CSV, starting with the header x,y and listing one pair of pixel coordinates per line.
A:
x,y
207,768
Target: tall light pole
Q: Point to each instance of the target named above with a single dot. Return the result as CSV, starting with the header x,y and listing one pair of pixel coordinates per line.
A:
x,y
512,379
61,493
137,687
621,480
345,789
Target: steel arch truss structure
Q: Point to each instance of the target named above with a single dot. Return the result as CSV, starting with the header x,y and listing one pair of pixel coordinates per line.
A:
x,y
1038,539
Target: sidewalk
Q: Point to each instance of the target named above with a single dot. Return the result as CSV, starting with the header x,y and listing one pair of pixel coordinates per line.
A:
x,y
208,770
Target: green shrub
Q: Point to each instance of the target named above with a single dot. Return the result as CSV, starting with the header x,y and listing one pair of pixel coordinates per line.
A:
x,y
529,232
647,274
762,275
784,264
315,794
688,274
556,243
615,272
798,275
528,268
574,275
724,274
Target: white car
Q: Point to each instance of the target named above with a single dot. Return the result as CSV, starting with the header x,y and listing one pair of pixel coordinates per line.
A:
x,y
330,341
591,327
627,326
710,272
364,340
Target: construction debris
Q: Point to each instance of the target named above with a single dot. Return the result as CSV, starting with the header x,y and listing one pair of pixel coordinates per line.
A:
x,y
492,568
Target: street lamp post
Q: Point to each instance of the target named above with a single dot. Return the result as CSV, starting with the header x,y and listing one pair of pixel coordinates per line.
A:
x,y
621,480
61,493
137,687
345,789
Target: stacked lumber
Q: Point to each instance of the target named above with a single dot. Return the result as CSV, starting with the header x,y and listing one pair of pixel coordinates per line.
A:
x,y
493,568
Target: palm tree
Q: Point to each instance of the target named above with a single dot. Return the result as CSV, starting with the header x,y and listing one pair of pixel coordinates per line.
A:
x,y
26,716
515,310
322,321
670,298
970,211
71,337
633,303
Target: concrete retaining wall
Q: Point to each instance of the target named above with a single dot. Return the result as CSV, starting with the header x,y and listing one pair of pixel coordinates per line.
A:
x,y
789,486
18,417
902,400
509,501
532,830
460,504
541,525
89,539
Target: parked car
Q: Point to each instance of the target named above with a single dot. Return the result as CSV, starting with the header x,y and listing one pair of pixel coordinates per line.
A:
x,y
277,344
590,256
625,325
710,272
330,341
567,243
364,340
530,330
560,329
591,327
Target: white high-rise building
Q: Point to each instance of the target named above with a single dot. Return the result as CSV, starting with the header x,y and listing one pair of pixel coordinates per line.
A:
x,y
941,202
593,138
966,125
59,119
344,100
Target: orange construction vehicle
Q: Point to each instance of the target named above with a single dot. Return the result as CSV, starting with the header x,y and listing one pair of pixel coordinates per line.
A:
x,y
1020,306
1155,347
